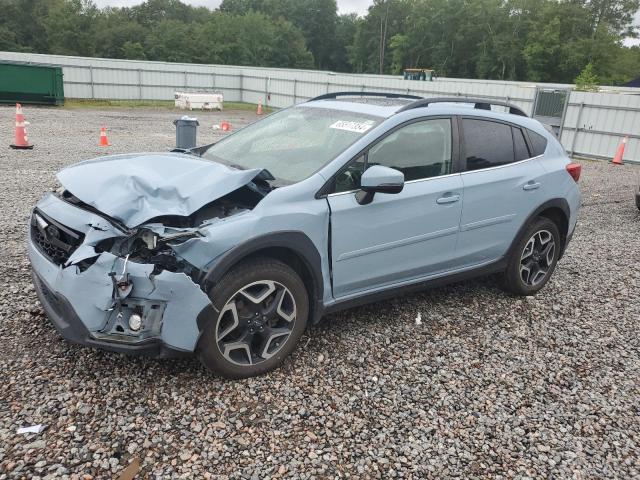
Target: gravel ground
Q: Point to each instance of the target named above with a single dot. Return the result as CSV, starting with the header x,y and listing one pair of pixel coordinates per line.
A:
x,y
487,386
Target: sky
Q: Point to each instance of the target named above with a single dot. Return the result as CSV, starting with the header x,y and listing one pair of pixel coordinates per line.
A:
x,y
634,41
344,6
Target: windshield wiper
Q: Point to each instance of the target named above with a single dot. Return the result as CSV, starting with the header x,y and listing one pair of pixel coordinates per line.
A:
x,y
235,165
198,151
266,175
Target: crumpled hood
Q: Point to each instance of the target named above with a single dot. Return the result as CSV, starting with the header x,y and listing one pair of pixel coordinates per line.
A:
x,y
136,188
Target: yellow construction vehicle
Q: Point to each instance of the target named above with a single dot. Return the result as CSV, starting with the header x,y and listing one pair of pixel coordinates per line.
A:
x,y
424,74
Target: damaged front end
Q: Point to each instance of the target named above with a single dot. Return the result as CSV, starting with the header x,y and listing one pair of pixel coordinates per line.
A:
x,y
107,283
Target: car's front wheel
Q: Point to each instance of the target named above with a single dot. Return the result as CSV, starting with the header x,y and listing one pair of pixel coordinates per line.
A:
x,y
534,258
261,312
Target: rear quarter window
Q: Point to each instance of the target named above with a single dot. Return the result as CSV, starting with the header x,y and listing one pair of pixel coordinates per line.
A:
x,y
538,143
519,145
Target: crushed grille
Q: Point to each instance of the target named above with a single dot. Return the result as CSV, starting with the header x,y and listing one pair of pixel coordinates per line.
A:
x,y
53,239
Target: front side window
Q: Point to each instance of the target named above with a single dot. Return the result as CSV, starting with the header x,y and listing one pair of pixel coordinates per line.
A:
x,y
419,150
293,143
349,178
487,144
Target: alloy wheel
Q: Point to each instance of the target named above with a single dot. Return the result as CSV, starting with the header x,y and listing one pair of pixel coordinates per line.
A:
x,y
537,258
255,322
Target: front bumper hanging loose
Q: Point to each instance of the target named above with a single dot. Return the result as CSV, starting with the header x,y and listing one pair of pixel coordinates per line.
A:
x,y
79,299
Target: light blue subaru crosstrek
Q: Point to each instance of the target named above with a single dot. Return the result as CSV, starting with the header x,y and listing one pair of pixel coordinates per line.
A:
x,y
230,250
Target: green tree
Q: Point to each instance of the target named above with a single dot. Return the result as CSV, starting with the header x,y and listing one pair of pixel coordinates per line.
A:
x,y
170,41
240,7
400,47
535,40
587,81
316,19
615,15
153,12
624,66
23,19
249,39
133,51
371,46
115,27
8,40
346,28
69,27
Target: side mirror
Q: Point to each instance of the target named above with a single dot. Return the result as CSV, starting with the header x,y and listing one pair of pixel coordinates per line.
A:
x,y
379,179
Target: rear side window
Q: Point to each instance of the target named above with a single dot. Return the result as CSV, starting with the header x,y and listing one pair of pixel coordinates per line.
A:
x,y
538,143
519,145
487,144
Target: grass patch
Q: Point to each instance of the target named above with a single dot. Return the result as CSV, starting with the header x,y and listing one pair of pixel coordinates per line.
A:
x,y
162,104
246,106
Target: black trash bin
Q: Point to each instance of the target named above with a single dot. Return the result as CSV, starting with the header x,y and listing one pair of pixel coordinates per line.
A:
x,y
186,132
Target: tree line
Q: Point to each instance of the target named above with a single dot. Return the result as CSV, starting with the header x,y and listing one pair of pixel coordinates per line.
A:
x,y
532,40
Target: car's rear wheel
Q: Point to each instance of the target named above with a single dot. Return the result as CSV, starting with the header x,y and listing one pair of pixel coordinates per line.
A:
x,y
262,308
534,258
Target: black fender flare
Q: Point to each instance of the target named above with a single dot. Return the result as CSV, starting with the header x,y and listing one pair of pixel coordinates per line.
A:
x,y
560,203
293,240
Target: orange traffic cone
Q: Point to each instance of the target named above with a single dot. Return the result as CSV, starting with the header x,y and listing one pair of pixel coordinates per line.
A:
x,y
617,160
104,141
21,140
259,112
225,126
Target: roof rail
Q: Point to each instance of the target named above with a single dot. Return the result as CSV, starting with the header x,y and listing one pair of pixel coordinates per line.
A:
x,y
334,95
480,104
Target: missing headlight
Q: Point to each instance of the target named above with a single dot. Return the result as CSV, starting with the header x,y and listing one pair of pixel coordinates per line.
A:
x,y
146,246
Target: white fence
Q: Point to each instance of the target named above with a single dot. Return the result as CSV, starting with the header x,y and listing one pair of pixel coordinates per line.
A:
x,y
594,123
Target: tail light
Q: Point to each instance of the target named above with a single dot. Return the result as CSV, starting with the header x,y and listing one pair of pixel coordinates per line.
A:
x,y
574,170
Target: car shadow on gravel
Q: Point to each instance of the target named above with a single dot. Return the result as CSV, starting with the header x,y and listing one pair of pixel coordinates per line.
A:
x,y
405,307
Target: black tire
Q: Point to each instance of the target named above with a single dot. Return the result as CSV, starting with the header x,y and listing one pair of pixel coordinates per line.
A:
x,y
263,333
523,273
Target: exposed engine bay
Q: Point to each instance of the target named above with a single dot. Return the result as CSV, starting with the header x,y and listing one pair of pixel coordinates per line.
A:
x,y
151,242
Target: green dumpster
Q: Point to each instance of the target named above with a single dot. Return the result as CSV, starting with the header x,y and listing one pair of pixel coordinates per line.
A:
x,y
30,83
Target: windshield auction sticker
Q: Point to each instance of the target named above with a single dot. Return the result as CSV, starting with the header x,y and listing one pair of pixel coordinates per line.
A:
x,y
358,127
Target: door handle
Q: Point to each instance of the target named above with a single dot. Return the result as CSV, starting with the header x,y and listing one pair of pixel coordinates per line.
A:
x,y
531,186
448,198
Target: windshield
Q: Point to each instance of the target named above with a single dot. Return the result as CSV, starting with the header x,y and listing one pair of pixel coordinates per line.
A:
x,y
294,143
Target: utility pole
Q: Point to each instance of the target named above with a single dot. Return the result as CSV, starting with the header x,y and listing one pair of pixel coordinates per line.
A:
x,y
383,36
